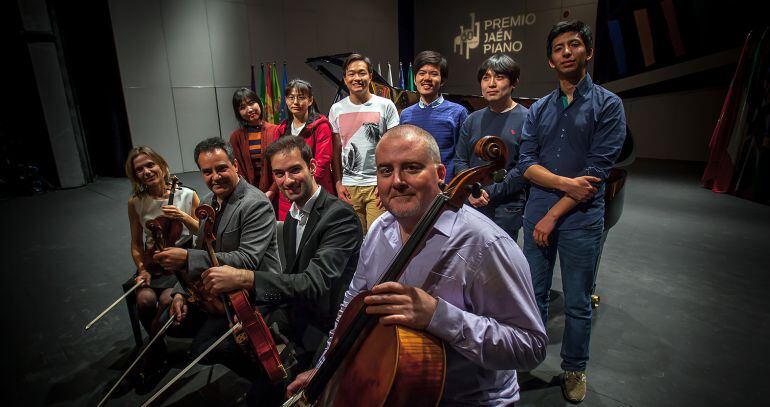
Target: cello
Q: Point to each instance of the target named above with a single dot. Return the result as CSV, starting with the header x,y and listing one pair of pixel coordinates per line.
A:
x,y
247,324
369,363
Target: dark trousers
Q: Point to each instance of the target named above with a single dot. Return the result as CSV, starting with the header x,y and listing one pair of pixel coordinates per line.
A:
x,y
205,329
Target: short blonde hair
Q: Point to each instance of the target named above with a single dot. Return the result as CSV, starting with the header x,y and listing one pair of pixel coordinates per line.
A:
x,y
136,184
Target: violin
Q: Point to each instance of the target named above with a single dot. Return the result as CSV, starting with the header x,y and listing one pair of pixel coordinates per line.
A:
x,y
254,336
369,363
165,232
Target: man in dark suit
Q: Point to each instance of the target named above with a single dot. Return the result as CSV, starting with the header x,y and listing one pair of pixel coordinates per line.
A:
x,y
322,237
245,239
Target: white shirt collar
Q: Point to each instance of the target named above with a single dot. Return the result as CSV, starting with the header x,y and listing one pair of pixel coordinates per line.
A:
x,y
301,214
439,100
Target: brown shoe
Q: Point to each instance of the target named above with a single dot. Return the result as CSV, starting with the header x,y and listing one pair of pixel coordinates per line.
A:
x,y
573,386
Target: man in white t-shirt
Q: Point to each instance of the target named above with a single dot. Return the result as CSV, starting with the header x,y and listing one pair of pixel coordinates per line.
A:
x,y
358,122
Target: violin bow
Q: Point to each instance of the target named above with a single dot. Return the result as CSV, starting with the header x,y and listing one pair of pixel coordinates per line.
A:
x,y
106,310
190,366
138,358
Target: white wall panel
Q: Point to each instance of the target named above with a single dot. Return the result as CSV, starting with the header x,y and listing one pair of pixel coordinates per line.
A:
x,y
196,114
187,42
267,31
227,121
152,120
139,41
183,47
229,33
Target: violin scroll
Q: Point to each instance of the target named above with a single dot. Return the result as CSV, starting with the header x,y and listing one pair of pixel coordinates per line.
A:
x,y
206,214
204,211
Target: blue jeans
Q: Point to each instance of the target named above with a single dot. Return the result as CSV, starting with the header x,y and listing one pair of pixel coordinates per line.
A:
x,y
578,255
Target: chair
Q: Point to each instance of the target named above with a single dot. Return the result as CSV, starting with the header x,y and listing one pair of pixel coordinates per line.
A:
x,y
131,303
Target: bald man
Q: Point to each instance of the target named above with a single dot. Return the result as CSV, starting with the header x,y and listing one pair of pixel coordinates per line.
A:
x,y
469,285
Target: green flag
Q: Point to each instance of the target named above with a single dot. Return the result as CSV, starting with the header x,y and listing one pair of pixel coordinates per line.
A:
x,y
276,94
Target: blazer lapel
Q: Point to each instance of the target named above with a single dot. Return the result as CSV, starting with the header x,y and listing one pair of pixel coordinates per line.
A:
x,y
233,204
289,242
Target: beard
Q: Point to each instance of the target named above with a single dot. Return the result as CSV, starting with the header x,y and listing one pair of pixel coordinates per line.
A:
x,y
401,208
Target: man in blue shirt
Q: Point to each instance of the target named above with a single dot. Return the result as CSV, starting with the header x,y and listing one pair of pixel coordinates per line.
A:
x,y
571,139
502,202
441,118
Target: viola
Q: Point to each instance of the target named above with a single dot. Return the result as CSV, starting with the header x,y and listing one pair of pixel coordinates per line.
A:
x,y
373,364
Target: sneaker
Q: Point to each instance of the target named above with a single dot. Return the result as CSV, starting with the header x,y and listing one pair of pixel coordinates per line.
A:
x,y
573,386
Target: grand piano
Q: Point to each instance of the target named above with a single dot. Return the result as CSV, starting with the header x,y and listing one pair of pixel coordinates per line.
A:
x,y
330,67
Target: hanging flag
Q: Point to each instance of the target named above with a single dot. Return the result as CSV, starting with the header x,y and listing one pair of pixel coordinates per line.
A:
x,y
390,75
262,88
645,35
253,81
401,76
276,95
283,95
268,99
379,71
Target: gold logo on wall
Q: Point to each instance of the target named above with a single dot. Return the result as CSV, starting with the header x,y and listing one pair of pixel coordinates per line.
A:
x,y
468,38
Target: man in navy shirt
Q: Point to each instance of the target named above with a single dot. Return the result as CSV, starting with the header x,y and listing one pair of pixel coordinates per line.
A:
x,y
441,118
502,202
571,139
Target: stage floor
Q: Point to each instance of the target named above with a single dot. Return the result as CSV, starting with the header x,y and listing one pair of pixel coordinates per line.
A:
x,y
683,319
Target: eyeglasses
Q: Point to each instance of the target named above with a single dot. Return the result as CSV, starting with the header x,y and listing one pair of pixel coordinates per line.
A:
x,y
299,98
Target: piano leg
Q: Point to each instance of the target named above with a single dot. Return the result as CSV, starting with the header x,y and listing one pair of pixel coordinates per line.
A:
x,y
595,298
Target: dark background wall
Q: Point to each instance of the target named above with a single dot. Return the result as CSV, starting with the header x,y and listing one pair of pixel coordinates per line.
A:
x,y
92,79
470,32
672,100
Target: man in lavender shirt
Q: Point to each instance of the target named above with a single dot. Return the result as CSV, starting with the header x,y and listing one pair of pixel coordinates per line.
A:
x,y
469,285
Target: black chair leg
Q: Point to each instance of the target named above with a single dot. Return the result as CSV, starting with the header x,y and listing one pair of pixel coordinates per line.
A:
x,y
132,316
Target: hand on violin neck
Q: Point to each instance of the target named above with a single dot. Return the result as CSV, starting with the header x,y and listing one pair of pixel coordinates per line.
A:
x,y
171,258
299,382
225,279
171,211
398,303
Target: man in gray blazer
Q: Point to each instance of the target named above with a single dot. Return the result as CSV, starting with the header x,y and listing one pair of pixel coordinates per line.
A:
x,y
321,240
245,239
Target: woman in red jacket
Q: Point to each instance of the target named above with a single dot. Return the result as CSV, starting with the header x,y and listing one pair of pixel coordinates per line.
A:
x,y
251,140
305,121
